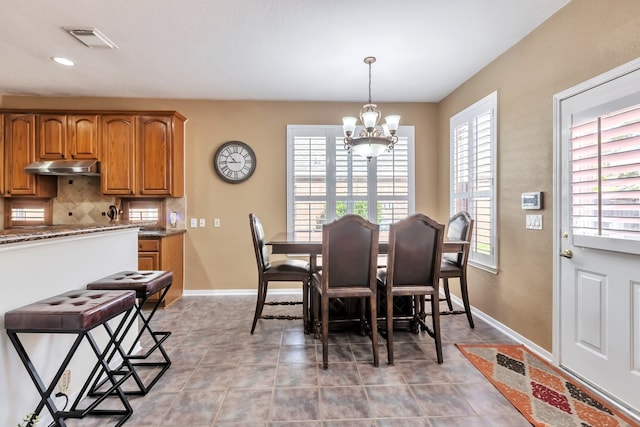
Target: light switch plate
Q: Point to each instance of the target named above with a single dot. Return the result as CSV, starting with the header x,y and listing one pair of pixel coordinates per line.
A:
x,y
202,222
216,222
194,222
533,222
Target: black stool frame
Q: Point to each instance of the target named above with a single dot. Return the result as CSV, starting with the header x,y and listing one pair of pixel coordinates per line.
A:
x,y
111,375
133,360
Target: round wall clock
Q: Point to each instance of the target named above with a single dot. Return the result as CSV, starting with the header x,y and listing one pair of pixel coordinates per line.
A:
x,y
234,162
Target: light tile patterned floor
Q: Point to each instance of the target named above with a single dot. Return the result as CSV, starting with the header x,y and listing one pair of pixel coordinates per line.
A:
x,y
223,376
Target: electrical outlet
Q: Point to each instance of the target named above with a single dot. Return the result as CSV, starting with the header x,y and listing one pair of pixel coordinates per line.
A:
x,y
65,379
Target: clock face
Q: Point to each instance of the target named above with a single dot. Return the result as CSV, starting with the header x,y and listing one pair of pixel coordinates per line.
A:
x,y
234,162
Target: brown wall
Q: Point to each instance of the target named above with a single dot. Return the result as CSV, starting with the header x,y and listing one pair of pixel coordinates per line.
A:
x,y
584,39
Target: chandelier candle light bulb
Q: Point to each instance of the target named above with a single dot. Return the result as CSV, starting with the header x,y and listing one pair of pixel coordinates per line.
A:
x,y
370,142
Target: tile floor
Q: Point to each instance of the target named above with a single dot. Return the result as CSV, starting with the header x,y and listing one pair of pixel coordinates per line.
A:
x,y
223,376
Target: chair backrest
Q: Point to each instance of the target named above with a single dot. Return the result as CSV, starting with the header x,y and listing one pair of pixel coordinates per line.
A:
x,y
460,227
349,253
415,252
259,246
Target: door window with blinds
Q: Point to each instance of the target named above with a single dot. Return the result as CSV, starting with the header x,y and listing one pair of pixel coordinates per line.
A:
x,y
325,181
473,176
604,156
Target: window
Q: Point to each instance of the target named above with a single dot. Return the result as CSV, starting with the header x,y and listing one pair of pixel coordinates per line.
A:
x,y
473,175
325,181
25,212
605,172
147,210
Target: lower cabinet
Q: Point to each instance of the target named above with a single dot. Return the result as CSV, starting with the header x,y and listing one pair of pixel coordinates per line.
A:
x,y
164,253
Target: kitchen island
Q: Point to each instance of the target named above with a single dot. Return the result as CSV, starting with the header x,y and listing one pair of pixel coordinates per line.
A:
x,y
40,262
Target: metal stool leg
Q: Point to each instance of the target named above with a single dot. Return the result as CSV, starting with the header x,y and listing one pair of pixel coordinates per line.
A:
x,y
45,392
134,360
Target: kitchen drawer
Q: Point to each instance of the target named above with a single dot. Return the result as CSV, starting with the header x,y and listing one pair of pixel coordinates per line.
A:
x,y
145,245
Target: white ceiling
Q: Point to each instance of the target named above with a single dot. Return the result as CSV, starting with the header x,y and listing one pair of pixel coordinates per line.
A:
x,y
260,49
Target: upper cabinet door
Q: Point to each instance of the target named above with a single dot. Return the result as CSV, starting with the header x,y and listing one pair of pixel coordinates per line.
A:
x,y
118,154
154,148
20,150
83,136
161,155
2,166
52,136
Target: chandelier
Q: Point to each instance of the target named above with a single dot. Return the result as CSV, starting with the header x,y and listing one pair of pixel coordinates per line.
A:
x,y
371,141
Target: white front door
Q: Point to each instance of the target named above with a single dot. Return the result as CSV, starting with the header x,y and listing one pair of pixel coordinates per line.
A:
x,y
597,273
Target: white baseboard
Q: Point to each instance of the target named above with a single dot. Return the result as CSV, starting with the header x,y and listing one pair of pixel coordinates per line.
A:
x,y
535,348
239,292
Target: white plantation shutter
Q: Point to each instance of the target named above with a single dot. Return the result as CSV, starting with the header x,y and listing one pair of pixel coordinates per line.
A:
x,y
605,174
324,181
473,175
394,187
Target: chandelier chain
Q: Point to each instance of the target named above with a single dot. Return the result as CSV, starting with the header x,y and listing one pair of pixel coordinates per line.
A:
x,y
369,82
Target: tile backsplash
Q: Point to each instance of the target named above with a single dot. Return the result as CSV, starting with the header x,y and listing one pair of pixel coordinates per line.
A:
x,y
80,201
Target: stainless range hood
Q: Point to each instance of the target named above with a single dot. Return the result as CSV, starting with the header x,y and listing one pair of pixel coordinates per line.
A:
x,y
65,167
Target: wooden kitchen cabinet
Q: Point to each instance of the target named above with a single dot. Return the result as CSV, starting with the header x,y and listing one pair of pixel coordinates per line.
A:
x,y
1,154
164,253
143,155
161,155
118,154
20,151
69,137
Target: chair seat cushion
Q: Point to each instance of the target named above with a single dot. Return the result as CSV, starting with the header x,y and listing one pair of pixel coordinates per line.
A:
x,y
293,267
448,268
71,311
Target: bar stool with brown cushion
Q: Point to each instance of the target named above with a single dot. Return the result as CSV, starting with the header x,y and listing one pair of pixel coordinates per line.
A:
x,y
79,313
413,261
290,270
454,265
349,256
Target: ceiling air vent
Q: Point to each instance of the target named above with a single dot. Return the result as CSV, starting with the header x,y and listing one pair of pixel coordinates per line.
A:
x,y
91,37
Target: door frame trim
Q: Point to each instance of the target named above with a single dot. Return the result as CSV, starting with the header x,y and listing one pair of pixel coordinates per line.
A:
x,y
605,77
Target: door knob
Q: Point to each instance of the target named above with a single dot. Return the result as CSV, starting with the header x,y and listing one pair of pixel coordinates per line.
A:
x,y
567,253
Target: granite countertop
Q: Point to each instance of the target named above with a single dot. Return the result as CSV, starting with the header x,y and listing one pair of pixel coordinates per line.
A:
x,y
24,234
160,232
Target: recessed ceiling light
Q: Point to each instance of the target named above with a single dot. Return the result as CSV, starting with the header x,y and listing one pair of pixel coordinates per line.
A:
x,y
63,61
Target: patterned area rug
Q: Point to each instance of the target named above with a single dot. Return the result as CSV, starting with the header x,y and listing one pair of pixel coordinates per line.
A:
x,y
544,395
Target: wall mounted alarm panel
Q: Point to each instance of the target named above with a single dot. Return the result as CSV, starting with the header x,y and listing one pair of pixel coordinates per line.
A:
x,y
532,200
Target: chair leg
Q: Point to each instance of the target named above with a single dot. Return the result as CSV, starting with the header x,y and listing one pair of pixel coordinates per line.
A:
x,y
435,316
447,294
465,299
262,294
314,309
325,331
374,330
305,306
389,298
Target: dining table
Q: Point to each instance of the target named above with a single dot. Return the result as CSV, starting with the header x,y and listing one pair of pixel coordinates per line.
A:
x,y
286,243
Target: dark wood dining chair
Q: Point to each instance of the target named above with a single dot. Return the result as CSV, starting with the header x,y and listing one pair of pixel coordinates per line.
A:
x,y
290,270
454,265
413,269
349,262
